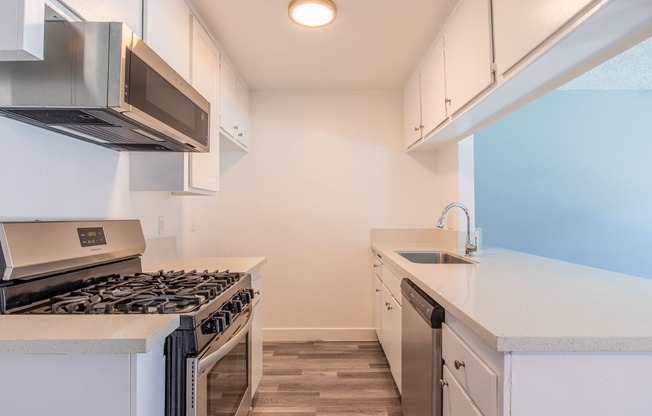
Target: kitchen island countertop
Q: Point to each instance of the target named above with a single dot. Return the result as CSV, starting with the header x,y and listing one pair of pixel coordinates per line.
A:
x,y
524,303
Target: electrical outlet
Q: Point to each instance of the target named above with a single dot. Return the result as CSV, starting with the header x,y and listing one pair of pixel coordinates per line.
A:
x,y
161,225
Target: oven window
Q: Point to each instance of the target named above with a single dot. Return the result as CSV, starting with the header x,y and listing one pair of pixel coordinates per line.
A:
x,y
227,382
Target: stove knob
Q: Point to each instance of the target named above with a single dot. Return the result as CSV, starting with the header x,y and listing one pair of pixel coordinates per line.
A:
x,y
237,306
209,327
220,322
245,297
228,317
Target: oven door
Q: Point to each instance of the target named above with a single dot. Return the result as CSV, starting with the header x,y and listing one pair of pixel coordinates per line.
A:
x,y
219,378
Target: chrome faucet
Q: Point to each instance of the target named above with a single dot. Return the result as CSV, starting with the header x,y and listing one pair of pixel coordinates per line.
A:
x,y
470,246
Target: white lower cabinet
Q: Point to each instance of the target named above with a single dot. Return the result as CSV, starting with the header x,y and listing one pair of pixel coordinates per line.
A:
x,y
257,332
377,294
387,316
83,384
391,333
455,401
477,380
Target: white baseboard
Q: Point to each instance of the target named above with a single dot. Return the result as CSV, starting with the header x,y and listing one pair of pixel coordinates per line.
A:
x,y
319,334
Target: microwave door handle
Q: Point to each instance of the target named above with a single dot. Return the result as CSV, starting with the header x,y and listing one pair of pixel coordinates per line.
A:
x,y
212,358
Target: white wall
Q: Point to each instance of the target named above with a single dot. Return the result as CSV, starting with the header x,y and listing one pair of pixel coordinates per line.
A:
x,y
324,168
46,175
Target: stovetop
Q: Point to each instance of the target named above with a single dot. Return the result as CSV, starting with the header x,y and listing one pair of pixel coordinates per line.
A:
x,y
181,292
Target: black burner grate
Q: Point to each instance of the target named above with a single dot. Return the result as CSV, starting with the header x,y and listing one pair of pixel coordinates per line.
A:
x,y
162,292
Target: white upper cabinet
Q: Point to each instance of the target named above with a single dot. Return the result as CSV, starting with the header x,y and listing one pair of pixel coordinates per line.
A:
x,y
242,134
433,88
182,173
424,96
520,26
412,111
21,30
234,109
167,31
467,44
205,77
127,11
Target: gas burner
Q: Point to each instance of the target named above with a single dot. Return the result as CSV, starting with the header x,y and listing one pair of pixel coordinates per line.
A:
x,y
161,292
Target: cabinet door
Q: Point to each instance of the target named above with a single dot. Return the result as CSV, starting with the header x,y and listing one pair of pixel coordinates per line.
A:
x,y
228,99
378,307
128,11
455,401
391,333
433,88
167,31
412,111
467,44
520,26
242,132
205,68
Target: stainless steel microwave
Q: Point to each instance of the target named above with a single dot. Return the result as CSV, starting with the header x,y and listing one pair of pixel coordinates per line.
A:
x,y
99,82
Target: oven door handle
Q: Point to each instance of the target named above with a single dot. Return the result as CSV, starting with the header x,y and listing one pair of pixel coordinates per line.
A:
x,y
211,359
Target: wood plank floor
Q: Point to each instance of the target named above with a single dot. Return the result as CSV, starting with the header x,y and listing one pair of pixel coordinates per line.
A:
x,y
326,379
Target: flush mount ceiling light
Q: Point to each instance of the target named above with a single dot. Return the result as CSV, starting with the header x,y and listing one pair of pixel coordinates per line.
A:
x,y
312,13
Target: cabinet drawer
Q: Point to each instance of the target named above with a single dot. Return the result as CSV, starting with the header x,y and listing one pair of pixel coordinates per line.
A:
x,y
475,377
455,401
392,282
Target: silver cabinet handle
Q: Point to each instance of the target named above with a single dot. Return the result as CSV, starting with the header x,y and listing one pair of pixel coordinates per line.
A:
x,y
443,383
377,290
239,134
459,364
389,308
258,292
386,303
236,127
447,101
416,129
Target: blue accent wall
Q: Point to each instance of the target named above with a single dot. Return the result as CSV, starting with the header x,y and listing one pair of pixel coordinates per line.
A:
x,y
569,176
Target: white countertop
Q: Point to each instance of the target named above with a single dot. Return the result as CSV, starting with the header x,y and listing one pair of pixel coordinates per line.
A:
x,y
234,264
521,302
83,334
105,334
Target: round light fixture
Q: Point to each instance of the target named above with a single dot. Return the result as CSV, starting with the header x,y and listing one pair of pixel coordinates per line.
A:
x,y
312,13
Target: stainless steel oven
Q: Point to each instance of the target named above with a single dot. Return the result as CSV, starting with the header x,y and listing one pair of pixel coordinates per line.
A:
x,y
93,267
218,379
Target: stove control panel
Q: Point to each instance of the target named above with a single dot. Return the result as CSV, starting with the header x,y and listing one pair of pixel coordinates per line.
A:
x,y
219,321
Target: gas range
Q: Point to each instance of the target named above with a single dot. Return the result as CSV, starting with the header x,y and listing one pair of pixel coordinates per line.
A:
x,y
94,267
141,293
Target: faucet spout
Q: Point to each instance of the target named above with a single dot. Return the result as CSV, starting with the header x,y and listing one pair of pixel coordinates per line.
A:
x,y
470,246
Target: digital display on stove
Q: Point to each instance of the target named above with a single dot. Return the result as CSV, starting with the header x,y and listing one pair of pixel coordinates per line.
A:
x,y
91,236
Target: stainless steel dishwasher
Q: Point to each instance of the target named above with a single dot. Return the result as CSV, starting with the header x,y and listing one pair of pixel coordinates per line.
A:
x,y
421,352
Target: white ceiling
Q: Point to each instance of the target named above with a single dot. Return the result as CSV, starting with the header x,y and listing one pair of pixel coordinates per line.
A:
x,y
373,44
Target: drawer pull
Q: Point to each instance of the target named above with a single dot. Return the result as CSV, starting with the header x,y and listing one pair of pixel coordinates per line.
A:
x,y
258,292
443,383
459,364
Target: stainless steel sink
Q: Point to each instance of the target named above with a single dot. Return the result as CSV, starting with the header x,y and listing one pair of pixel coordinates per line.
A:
x,y
432,257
